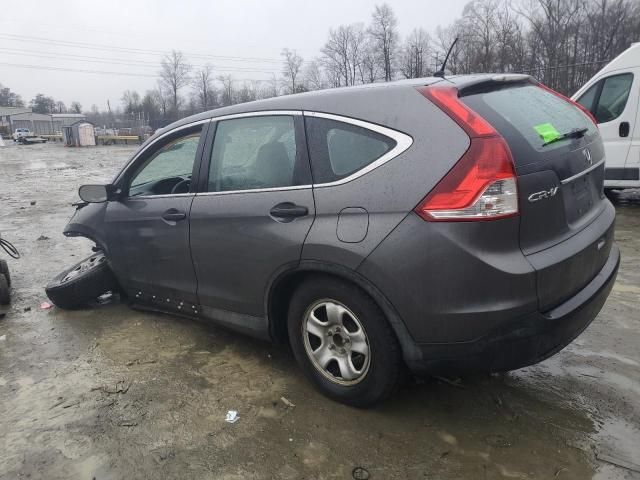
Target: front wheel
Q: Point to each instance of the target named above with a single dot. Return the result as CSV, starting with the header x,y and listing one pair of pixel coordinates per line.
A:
x,y
77,286
343,342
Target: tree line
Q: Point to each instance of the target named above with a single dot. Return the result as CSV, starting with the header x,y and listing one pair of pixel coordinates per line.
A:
x,y
39,104
560,42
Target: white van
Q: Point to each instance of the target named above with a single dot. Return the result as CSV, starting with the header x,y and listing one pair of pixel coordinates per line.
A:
x,y
612,96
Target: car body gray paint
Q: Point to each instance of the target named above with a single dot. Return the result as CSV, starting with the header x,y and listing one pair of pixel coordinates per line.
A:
x,y
417,271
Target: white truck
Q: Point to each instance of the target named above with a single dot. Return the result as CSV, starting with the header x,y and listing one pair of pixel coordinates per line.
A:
x,y
613,97
24,136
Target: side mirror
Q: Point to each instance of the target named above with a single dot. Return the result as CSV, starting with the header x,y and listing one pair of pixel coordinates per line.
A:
x,y
95,193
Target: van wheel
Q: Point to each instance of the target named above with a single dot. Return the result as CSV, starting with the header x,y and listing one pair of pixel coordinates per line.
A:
x,y
343,342
4,270
77,286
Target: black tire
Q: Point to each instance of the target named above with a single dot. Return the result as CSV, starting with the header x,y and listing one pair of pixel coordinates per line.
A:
x,y
84,285
4,270
5,298
385,369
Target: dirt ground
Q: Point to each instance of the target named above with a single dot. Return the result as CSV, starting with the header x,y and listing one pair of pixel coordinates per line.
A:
x,y
109,392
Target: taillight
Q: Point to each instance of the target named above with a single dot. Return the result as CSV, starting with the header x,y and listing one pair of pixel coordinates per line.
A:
x,y
567,99
482,184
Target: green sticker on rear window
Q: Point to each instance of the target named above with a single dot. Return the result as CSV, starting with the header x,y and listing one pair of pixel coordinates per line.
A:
x,y
547,132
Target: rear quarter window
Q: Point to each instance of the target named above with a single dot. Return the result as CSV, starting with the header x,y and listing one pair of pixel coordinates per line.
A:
x,y
338,149
527,107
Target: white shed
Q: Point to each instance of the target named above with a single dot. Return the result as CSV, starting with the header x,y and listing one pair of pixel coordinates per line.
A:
x,y
79,134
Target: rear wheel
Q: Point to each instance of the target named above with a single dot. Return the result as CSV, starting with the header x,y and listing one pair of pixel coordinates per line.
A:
x,y
343,342
77,286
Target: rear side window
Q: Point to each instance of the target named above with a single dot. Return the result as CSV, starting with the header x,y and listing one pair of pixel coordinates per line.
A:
x,y
339,149
530,110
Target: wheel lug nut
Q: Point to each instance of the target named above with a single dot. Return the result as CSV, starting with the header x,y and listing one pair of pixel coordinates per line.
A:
x,y
331,347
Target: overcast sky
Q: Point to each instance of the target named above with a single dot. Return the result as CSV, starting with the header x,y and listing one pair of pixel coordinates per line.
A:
x,y
240,37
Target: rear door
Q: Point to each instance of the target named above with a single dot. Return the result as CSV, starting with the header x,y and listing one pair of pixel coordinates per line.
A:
x,y
253,210
560,184
613,101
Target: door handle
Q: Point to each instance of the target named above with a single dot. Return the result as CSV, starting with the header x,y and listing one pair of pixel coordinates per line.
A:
x,y
289,211
173,215
623,129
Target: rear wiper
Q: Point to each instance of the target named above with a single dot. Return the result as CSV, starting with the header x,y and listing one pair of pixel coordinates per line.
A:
x,y
575,133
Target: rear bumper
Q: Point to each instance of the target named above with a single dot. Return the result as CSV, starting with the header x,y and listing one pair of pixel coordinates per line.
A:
x,y
525,340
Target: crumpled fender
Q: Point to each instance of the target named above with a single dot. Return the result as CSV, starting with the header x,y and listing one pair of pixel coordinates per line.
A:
x,y
89,221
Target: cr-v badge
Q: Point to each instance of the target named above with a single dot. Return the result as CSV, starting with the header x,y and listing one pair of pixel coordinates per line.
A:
x,y
534,197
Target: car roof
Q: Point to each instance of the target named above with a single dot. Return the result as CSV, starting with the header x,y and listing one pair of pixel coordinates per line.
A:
x,y
287,102
325,100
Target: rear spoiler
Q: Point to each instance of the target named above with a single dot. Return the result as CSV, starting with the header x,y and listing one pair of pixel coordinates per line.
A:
x,y
487,83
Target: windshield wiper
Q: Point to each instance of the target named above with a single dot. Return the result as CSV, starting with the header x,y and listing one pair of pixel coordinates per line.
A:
x,y
575,133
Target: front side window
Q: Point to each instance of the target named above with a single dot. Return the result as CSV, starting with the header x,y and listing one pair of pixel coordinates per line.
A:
x,y
587,98
168,167
254,153
340,149
613,98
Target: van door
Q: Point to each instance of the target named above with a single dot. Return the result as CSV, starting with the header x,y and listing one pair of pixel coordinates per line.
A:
x,y
613,101
632,165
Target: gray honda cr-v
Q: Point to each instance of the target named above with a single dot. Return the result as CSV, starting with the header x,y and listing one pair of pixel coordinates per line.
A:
x,y
444,225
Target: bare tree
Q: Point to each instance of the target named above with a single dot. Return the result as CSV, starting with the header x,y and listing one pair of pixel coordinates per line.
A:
x,y
415,54
203,85
370,69
271,88
60,107
76,107
383,31
228,94
9,98
161,98
174,74
314,76
248,92
342,54
150,106
130,101
291,68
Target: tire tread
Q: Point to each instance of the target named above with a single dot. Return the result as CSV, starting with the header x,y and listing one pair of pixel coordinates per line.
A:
x,y
78,292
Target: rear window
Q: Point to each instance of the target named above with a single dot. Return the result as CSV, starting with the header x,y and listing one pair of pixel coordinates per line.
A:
x,y
339,149
535,113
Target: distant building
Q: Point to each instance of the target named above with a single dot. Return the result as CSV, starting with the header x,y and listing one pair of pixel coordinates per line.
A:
x,y
39,123
5,118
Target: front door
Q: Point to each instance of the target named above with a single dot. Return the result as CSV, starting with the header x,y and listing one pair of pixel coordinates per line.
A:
x,y
149,246
613,102
253,214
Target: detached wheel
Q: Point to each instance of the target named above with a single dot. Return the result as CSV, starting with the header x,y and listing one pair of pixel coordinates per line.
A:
x,y
343,342
4,270
77,286
5,299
